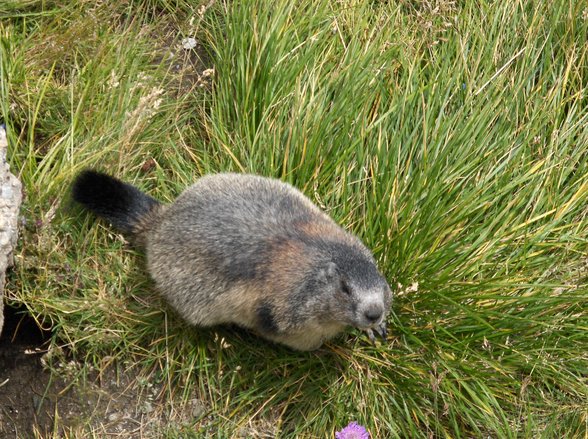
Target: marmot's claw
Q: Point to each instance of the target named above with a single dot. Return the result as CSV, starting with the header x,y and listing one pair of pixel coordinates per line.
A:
x,y
382,331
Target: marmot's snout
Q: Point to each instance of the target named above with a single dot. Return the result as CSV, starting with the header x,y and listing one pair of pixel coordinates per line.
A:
x,y
371,307
372,310
373,313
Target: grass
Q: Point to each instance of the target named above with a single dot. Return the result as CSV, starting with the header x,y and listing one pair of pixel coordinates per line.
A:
x,y
452,137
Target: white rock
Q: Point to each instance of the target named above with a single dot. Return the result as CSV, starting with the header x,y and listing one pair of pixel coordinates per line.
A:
x,y
189,43
10,199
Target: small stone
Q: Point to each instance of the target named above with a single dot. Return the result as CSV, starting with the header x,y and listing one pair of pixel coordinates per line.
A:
x,y
147,407
114,417
196,408
189,43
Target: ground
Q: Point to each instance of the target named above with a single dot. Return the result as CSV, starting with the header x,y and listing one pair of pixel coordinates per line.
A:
x,y
114,402
54,392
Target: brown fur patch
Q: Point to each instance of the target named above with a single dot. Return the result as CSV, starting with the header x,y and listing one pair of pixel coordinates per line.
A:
x,y
289,262
324,229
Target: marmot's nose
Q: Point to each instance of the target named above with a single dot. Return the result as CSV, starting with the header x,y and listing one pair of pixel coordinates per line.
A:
x,y
373,313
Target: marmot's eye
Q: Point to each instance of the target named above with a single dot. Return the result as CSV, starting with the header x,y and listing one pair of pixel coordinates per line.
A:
x,y
345,288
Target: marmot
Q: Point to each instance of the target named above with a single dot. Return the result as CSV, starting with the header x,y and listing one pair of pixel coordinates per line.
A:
x,y
248,250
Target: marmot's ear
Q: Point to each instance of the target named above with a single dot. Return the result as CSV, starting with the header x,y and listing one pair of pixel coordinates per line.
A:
x,y
330,273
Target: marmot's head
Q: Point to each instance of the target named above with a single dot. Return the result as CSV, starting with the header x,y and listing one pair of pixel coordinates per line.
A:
x,y
352,290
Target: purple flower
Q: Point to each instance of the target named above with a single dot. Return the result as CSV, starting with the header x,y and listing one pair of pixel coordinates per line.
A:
x,y
353,431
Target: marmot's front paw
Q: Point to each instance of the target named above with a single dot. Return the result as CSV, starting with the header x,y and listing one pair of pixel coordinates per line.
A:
x,y
381,330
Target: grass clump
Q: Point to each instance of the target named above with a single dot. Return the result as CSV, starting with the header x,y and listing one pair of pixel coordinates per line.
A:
x,y
451,137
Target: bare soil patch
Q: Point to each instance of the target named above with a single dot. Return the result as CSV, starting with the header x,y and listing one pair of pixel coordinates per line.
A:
x,y
36,401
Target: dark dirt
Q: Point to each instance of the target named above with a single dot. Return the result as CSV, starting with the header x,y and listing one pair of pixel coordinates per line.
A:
x,y
27,395
38,401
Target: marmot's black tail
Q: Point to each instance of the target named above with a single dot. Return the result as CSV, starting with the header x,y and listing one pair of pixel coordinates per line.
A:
x,y
119,203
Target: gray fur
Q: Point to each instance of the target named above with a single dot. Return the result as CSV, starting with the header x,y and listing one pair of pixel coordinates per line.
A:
x,y
254,251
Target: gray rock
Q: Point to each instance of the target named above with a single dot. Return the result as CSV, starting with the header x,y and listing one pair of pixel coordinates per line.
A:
x,y
10,199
